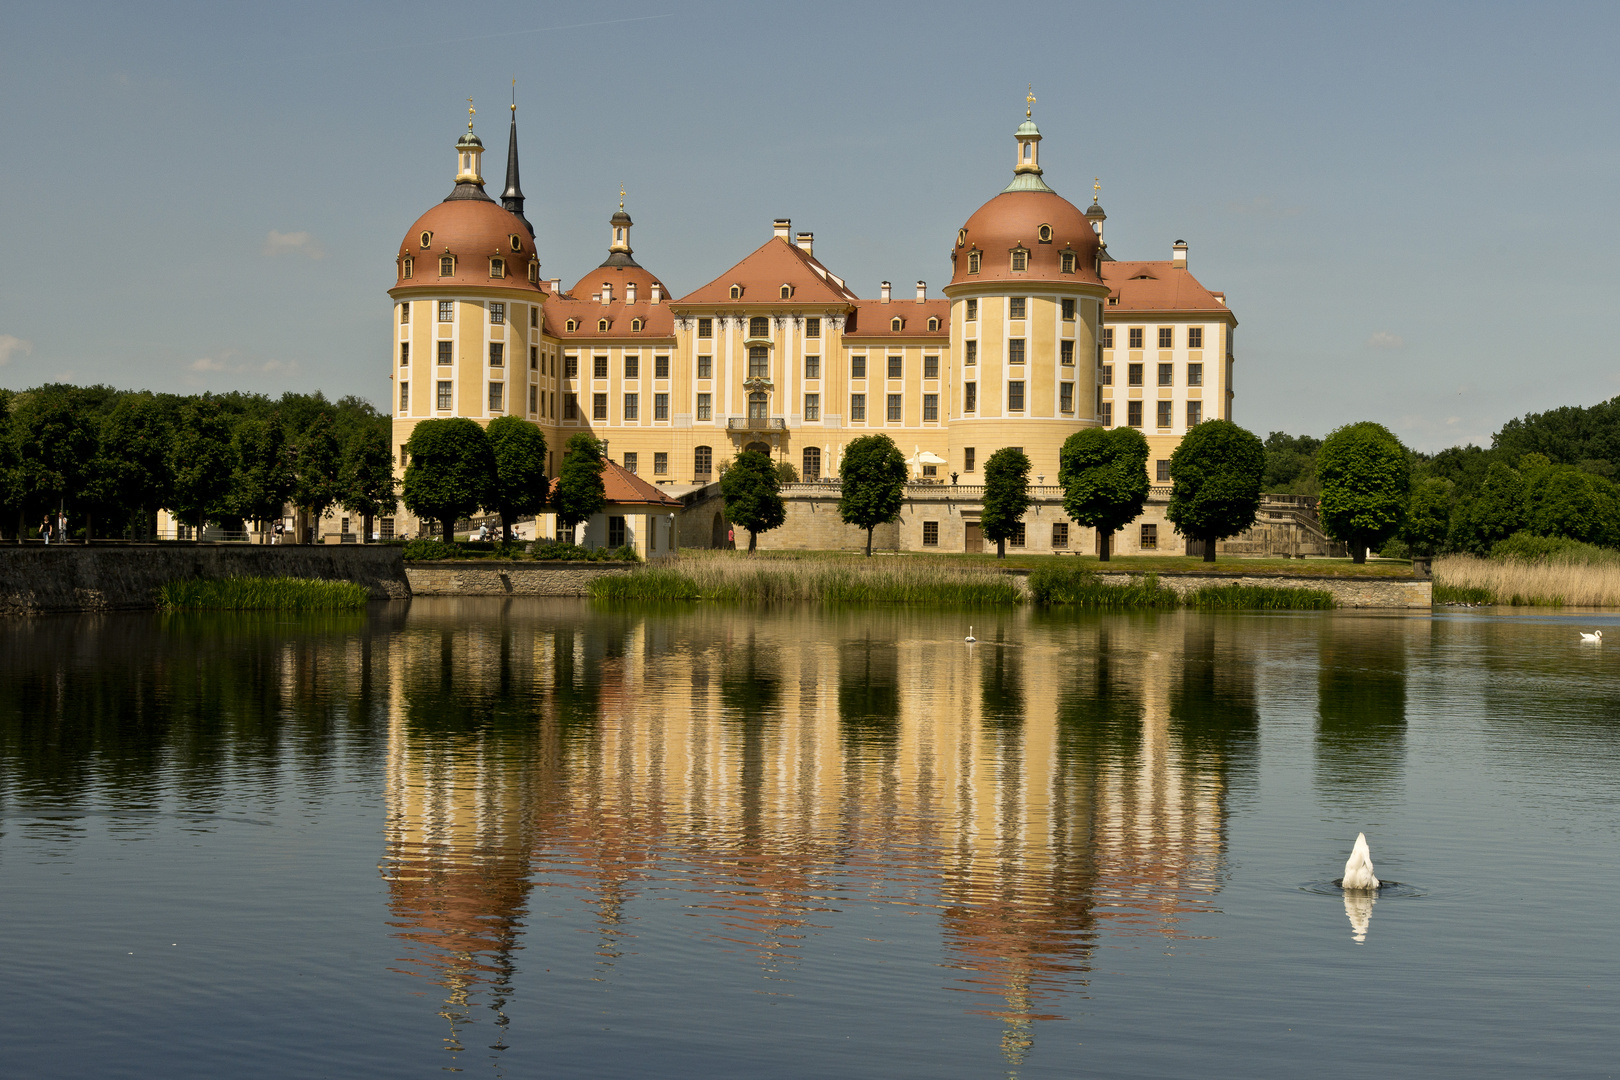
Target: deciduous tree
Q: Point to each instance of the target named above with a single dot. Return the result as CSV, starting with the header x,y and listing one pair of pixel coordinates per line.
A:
x,y
1006,495
318,461
450,471
367,475
581,495
1428,516
872,478
520,470
753,495
1105,480
201,463
1215,482
264,479
1366,483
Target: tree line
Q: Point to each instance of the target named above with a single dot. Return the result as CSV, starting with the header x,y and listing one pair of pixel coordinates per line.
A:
x,y
111,459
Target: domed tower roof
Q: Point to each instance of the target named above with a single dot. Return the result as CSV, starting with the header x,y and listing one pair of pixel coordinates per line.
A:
x,y
1027,225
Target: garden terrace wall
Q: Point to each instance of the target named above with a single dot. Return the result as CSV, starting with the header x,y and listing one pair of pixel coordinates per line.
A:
x,y
71,577
487,577
1348,592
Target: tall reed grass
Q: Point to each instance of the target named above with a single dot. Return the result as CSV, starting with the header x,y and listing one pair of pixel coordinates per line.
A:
x,y
1083,588
1551,582
262,594
826,579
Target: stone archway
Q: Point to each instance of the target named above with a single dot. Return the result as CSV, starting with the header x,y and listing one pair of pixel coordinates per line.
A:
x,y
759,446
717,533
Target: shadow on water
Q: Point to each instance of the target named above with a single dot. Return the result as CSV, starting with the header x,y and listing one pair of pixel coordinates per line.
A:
x,y
1361,710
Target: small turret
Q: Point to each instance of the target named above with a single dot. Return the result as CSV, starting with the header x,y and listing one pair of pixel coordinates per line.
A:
x,y
469,164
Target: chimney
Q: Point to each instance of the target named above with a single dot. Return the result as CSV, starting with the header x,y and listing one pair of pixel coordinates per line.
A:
x,y
807,242
607,293
784,229
885,292
629,292
657,292
1178,255
556,286
922,291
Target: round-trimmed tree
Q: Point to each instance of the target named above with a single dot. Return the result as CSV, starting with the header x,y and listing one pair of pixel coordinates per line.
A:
x,y
1215,482
450,472
1006,495
1366,484
1105,481
367,478
872,479
581,495
520,484
201,463
753,495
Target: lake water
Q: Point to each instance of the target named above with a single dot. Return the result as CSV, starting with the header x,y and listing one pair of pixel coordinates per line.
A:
x,y
543,838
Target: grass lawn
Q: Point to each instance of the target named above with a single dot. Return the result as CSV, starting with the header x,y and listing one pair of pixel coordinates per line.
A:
x,y
1163,564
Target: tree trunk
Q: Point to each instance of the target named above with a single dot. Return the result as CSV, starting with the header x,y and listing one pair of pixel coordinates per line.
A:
x,y
1209,549
506,529
365,529
199,526
1358,554
753,541
1001,547
869,529
1104,542
89,526
449,527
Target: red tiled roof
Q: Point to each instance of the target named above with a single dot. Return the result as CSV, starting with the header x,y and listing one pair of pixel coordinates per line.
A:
x,y
624,488
1013,219
763,273
473,230
874,318
1156,286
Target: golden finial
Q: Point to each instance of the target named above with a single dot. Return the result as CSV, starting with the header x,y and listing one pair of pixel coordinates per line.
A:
x,y
1029,102
470,111
621,196
514,95
1096,188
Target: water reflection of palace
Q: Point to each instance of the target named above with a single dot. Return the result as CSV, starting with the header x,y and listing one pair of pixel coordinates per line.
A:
x,y
1052,785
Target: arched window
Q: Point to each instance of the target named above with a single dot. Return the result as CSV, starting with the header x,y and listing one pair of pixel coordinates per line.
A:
x,y
635,326
534,270
447,265
702,461
973,262
787,292
933,322
812,464
756,405
1045,233
1068,262
601,326
573,324
407,266
497,268
516,241
1020,259
895,324
759,326
426,238
736,292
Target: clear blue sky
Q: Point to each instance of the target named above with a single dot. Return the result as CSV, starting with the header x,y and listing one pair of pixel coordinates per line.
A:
x,y
1412,208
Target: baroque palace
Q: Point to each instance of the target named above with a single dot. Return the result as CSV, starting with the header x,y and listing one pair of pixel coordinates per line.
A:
x,y
1040,333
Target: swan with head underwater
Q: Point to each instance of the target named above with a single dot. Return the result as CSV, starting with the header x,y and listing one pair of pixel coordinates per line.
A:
x,y
1358,870
1594,638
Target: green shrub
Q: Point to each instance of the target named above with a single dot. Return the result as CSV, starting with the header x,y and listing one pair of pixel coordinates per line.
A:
x,y
651,583
1083,588
425,548
1527,547
1259,598
1461,594
262,594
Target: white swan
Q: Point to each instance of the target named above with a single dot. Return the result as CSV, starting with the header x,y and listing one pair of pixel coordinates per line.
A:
x,y
970,639
1358,870
1595,638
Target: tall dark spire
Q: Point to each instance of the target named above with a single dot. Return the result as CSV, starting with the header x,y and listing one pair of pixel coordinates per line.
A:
x,y
512,197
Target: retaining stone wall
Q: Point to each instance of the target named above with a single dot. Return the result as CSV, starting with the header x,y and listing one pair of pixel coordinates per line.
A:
x,y
482,577
1349,592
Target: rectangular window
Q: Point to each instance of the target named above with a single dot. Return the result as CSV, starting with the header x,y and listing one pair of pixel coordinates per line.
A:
x,y
1068,309
632,367
1066,353
968,457
1133,414
705,328
970,352
1107,375
1060,534
1167,337
812,406
404,398
1108,337
1164,414
385,528
1020,259
497,354
812,327
1135,337
599,406
1066,396
1195,413
1161,470
812,464
497,313
930,534
894,407
930,367
404,313
660,367
660,463
1150,538
1195,337
759,362
896,367
660,406
616,531
705,367
857,406
1106,414
1015,307
570,406
970,397
497,396
632,464
447,311
570,367
1015,395
1018,535
534,316
857,366
1167,375
632,406
705,411
444,352
599,367
812,367
1133,374
972,310
446,396
534,396
534,358
1195,374
1015,350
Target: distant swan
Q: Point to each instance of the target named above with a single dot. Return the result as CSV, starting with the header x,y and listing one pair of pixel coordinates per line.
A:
x,y
970,639
1358,871
1595,638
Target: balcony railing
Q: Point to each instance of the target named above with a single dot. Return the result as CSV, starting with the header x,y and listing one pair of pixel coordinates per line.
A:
x,y
756,423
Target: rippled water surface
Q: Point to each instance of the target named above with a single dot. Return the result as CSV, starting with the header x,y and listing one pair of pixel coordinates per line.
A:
x,y
541,838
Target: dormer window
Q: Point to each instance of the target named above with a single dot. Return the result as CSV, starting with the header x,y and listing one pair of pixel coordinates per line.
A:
x,y
516,241
573,325
973,262
1045,234
426,238
497,268
933,322
601,326
736,292
759,326
961,237
787,292
1020,259
534,270
635,326
406,266
895,324
1068,262
447,265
